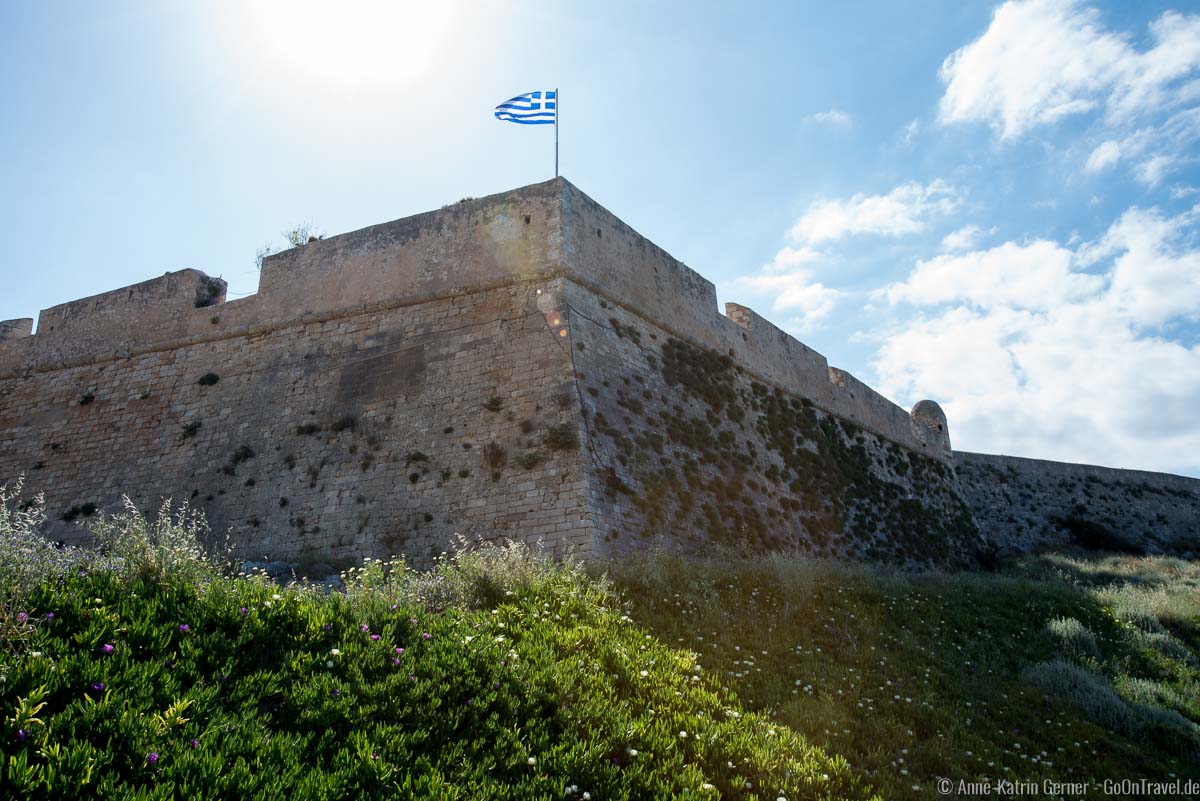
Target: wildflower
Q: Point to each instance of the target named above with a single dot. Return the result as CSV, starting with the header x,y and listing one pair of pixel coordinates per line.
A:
x,y
399,650
243,610
412,678
98,686
336,692
151,759
107,648
363,627
632,752
396,662
49,616
184,627
683,735
374,636
328,663
22,617
531,761
425,635
276,597
706,786
394,606
335,651
374,755
22,734
194,743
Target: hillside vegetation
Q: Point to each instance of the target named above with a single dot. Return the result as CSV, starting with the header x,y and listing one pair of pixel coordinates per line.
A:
x,y
148,672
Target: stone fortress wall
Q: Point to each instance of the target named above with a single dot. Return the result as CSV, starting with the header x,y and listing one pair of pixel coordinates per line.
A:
x,y
388,389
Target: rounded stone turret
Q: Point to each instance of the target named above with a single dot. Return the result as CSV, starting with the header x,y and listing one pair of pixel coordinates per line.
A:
x,y
930,427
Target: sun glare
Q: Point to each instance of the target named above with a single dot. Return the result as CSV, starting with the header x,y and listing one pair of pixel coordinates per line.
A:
x,y
349,43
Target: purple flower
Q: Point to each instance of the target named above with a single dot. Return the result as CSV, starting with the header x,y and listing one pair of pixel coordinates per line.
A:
x,y
412,678
412,621
399,650
22,617
107,648
184,628
328,626
425,635
336,692
98,686
22,734
374,755
151,759
394,607
49,616
243,610
396,662
194,743
374,636
496,686
364,627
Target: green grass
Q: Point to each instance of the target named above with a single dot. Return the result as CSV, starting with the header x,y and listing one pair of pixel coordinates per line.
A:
x,y
915,677
518,677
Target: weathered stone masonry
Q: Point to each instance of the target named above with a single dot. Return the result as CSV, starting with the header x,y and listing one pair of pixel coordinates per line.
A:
x,y
523,366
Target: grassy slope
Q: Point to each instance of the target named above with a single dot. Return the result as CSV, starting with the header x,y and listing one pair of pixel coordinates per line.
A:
x,y
916,677
789,677
528,685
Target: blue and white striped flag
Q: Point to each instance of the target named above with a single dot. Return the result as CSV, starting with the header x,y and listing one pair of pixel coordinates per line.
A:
x,y
531,108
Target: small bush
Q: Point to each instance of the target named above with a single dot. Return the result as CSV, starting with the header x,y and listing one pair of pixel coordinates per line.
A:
x,y
1073,638
493,404
493,456
561,437
175,543
307,429
190,430
529,460
208,379
1061,679
343,423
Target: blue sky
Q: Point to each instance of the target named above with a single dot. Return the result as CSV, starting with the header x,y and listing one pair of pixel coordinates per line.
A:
x,y
992,205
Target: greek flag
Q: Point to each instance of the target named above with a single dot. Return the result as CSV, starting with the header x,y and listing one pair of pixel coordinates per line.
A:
x,y
531,108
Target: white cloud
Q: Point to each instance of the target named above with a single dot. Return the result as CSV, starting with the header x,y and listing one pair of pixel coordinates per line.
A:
x,y
1041,350
910,131
1033,276
1042,60
789,258
964,238
1151,171
794,292
904,210
1104,156
834,117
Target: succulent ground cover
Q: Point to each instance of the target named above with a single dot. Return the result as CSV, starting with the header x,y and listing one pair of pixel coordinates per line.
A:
x,y
149,674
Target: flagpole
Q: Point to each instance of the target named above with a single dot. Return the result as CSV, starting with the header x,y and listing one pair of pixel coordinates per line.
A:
x,y
557,108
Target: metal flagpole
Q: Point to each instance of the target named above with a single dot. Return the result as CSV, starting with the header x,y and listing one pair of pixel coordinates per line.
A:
x,y
557,107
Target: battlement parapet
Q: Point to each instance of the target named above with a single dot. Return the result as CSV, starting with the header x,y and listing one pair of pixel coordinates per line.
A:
x,y
531,234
